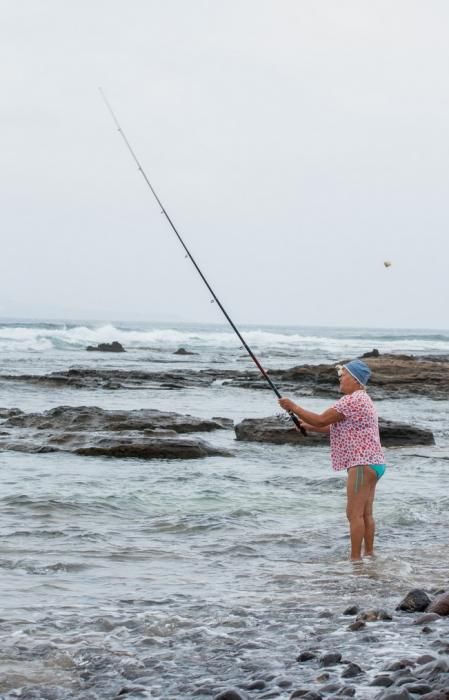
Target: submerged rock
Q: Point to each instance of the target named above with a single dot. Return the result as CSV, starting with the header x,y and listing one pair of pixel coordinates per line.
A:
x,y
183,351
271,429
89,430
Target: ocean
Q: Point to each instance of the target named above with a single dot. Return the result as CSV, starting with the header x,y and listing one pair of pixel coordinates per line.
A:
x,y
183,578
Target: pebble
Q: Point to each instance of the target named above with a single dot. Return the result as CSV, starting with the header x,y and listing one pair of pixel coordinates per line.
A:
x,y
416,600
330,659
357,625
351,610
419,688
256,685
229,694
425,659
306,656
352,670
383,681
440,605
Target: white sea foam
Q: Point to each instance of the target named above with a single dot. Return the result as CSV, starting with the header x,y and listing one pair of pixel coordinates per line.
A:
x,y
324,342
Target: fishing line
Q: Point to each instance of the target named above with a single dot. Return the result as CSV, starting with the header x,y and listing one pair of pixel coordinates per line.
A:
x,y
274,388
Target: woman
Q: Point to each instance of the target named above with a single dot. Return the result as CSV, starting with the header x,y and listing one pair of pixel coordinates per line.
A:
x,y
355,446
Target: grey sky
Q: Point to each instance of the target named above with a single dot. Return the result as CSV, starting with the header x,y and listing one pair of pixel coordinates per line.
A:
x,y
296,144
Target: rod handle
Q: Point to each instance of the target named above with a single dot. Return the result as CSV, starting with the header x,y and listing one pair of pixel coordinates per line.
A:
x,y
298,423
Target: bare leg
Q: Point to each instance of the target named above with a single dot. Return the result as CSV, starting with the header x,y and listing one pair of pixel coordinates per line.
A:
x,y
370,525
361,482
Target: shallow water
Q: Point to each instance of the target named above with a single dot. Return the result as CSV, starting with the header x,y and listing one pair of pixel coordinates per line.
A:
x,y
185,577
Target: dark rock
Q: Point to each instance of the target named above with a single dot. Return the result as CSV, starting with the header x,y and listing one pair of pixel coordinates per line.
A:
x,y
440,605
89,430
426,630
323,677
425,659
351,610
400,665
306,656
270,694
299,693
107,347
230,694
351,671
148,448
383,681
330,659
416,600
347,692
373,353
357,625
418,688
284,682
183,351
405,680
436,695
273,430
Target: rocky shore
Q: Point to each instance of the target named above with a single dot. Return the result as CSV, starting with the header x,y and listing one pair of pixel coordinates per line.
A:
x,y
93,431
394,377
147,433
333,676
271,429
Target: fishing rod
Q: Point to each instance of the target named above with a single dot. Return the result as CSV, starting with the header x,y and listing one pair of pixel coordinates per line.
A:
x,y
294,418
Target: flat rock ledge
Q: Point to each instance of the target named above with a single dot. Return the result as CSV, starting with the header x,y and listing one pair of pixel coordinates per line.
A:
x,y
93,431
274,430
394,377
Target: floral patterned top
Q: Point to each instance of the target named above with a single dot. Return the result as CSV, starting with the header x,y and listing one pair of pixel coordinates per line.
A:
x,y
355,440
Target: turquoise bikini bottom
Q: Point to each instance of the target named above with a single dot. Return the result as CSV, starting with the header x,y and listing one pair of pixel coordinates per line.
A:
x,y
379,469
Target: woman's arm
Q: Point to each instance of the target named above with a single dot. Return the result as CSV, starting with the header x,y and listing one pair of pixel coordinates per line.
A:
x,y
314,429
313,420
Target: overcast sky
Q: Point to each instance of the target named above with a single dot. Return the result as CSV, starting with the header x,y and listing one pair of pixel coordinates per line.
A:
x,y
296,144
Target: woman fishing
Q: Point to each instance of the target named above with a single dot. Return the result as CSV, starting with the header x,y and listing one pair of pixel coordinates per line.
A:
x,y
355,446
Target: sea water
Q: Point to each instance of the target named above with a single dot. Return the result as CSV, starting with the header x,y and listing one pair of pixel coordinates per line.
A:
x,y
179,578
